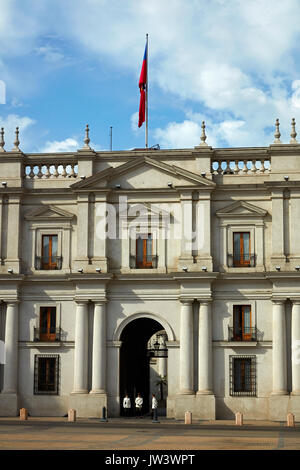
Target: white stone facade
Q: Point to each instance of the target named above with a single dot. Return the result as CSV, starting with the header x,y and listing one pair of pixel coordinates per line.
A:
x,y
191,290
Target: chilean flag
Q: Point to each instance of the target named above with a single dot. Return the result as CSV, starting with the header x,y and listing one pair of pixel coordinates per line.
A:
x,y
142,87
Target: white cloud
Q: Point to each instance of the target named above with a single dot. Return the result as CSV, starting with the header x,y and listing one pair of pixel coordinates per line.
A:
x,y
67,145
134,121
236,61
50,53
179,135
10,123
295,99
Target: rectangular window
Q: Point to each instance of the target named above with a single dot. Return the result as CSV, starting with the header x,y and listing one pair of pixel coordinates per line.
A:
x,y
241,249
242,375
46,373
242,323
47,324
49,252
144,251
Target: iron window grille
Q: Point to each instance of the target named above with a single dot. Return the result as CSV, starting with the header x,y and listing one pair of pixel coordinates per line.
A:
x,y
242,373
46,374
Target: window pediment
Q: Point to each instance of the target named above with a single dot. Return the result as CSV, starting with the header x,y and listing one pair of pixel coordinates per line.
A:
x,y
241,209
49,212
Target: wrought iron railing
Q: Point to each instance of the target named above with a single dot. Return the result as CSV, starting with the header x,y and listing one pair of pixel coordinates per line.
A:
x,y
242,334
238,260
46,263
151,262
47,334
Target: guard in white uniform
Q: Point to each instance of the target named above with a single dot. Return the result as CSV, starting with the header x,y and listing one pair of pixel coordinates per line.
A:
x,y
138,405
126,405
154,405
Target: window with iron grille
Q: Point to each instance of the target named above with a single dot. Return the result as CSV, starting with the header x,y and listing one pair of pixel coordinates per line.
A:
x,y
46,374
242,375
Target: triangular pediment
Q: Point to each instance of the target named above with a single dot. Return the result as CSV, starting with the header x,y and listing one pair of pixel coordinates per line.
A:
x,y
49,212
143,173
144,209
241,209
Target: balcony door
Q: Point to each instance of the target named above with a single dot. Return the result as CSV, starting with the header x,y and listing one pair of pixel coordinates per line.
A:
x,y
49,251
48,324
242,323
144,251
241,249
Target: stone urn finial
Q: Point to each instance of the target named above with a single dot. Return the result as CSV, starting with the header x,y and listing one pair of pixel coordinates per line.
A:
x,y
2,142
293,133
277,133
203,135
16,142
87,138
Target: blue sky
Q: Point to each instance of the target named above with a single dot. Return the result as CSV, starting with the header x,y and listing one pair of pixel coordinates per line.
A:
x,y
67,63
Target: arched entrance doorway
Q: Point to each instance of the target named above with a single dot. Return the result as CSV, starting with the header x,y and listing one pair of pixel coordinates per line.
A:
x,y
135,361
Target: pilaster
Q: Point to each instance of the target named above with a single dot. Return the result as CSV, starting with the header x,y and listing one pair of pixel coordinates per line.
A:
x,y
186,366
81,347
279,349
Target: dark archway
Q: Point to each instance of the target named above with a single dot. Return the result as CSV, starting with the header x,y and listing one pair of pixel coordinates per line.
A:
x,y
134,362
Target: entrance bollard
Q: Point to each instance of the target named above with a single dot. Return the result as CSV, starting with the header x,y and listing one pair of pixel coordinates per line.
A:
x,y
188,417
103,419
239,419
72,415
290,421
155,420
23,414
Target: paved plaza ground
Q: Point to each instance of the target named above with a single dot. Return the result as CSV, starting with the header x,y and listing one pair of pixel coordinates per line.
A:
x,y
142,434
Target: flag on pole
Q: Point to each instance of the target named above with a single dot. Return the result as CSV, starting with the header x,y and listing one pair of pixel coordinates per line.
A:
x,y
142,87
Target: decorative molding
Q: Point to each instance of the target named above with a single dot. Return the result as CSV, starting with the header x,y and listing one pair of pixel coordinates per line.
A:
x,y
250,210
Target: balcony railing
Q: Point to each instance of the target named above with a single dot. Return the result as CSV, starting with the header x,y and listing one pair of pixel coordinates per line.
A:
x,y
47,334
240,166
48,263
238,260
242,334
151,262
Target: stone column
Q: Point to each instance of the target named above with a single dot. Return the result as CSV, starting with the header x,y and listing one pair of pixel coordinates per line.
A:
x,y
99,349
10,382
296,347
104,227
203,231
277,227
186,348
279,349
81,348
82,228
205,349
13,229
186,227
1,228
295,226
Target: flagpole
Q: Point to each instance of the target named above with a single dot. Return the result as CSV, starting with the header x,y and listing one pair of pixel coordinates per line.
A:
x,y
146,127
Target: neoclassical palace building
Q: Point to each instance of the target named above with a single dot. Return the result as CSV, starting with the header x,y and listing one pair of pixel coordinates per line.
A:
x,y
151,271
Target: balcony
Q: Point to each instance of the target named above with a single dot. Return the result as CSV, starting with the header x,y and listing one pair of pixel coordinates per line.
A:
x,y
48,335
150,263
242,334
238,260
46,263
